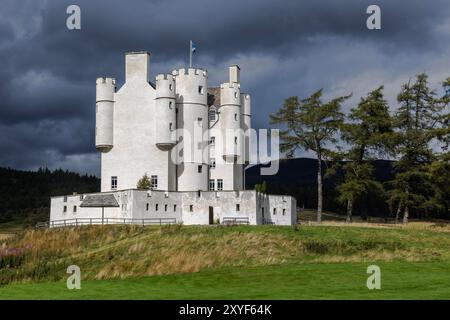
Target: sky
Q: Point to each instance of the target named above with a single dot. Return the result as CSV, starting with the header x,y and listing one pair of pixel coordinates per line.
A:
x,y
284,48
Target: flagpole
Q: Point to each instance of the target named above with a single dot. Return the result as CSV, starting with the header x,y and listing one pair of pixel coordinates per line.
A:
x,y
190,53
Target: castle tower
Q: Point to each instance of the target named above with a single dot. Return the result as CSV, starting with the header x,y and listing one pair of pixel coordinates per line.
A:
x,y
104,112
165,116
246,124
192,116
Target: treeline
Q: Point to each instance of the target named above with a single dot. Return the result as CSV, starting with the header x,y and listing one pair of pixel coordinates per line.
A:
x,y
415,134
25,195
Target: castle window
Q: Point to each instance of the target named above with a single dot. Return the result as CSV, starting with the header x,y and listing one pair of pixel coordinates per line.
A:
x,y
238,207
235,117
170,87
200,122
212,141
211,184
170,126
165,207
65,209
212,163
200,90
199,169
274,211
156,207
146,207
219,184
170,104
114,183
65,199
174,207
284,212
154,182
235,94
212,115
81,197
235,140
191,208
74,208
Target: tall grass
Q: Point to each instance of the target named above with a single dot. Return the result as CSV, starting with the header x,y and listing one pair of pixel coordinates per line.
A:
x,y
109,252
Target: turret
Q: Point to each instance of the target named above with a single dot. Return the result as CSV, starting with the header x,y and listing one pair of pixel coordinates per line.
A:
x,y
230,110
165,115
192,116
246,117
105,90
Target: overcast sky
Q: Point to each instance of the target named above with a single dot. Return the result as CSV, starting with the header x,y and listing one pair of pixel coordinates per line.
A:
x,y
284,48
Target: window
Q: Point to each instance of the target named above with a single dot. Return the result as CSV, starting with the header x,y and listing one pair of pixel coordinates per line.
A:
x,y
74,208
211,184
199,169
212,141
65,199
191,208
174,207
146,207
114,183
284,212
235,116
170,126
235,140
238,207
235,94
156,207
165,207
274,211
200,122
170,87
212,163
170,104
212,115
65,209
154,182
219,184
81,197
200,90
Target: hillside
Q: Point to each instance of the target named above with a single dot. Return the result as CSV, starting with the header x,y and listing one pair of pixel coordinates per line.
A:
x,y
216,262
25,195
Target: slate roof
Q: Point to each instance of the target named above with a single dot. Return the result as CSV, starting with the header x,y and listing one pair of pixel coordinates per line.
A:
x,y
99,200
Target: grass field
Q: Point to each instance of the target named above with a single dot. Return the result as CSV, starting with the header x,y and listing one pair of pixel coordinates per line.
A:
x,y
246,262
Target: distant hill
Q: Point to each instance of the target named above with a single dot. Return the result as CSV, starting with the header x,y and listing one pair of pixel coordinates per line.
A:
x,y
25,195
298,177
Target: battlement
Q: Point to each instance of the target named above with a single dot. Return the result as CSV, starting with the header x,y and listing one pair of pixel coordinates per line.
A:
x,y
190,72
233,85
107,80
164,76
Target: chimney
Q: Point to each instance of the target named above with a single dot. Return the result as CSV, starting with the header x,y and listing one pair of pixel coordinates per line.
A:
x,y
136,66
235,74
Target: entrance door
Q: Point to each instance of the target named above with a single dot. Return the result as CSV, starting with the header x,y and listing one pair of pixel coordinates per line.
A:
x,y
211,215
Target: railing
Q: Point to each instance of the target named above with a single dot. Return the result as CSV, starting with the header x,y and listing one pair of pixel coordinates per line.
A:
x,y
267,221
96,221
235,220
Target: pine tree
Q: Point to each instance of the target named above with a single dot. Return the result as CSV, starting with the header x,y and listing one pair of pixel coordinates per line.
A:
x,y
415,122
311,125
366,134
144,183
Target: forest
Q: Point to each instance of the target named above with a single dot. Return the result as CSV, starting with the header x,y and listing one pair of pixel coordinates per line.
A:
x,y
414,135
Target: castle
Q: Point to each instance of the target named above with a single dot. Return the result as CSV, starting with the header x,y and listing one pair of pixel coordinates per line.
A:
x,y
191,141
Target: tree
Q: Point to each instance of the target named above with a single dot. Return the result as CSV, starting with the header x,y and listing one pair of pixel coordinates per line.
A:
x,y
311,125
415,121
144,183
366,134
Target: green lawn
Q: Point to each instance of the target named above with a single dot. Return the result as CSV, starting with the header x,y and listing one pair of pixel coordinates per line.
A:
x,y
399,280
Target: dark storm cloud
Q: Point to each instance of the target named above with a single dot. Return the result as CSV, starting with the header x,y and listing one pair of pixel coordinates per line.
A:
x,y
47,72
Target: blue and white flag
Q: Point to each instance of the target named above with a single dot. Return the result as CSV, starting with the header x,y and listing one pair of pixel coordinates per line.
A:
x,y
193,47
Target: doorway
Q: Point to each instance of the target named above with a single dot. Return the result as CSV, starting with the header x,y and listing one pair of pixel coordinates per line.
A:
x,y
211,215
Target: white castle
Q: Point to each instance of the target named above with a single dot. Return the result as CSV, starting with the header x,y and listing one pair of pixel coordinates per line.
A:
x,y
191,141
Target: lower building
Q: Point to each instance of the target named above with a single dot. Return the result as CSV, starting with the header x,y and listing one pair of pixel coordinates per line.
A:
x,y
164,207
